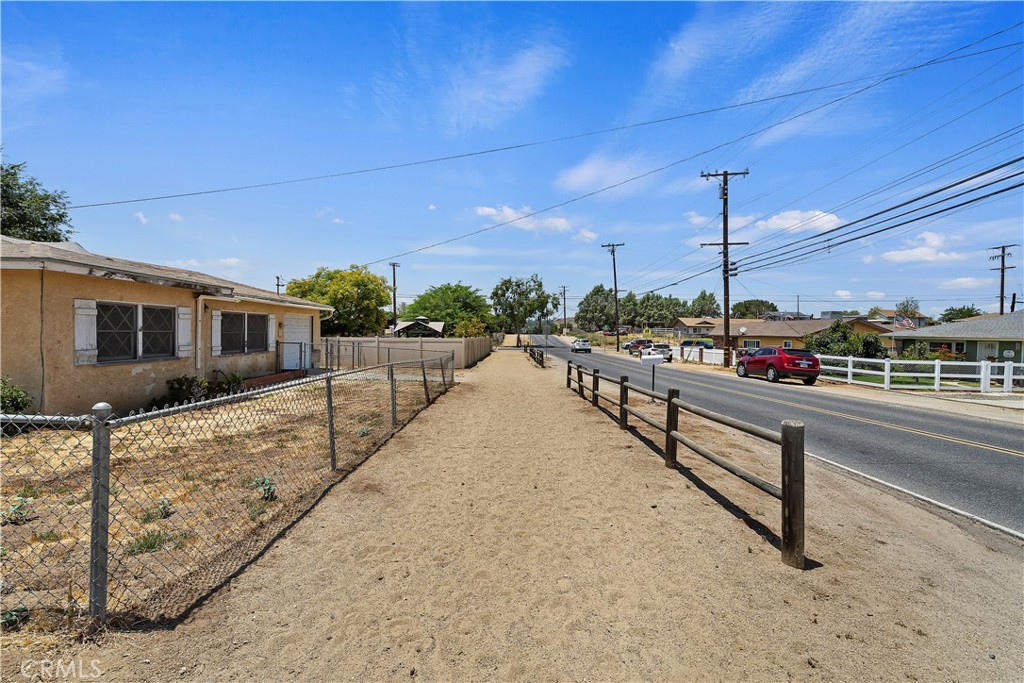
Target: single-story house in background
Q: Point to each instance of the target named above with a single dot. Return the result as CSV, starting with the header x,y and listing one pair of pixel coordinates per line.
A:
x,y
702,327
420,327
997,338
887,318
78,328
789,334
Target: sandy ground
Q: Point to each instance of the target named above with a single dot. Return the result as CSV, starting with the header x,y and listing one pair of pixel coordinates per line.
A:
x,y
513,532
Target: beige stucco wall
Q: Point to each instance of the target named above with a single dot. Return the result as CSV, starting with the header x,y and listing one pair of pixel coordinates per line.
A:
x,y
37,342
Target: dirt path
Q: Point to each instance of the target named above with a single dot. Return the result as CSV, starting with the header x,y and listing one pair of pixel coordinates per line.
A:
x,y
512,532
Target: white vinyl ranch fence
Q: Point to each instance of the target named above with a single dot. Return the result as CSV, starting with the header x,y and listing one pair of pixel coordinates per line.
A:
x,y
931,375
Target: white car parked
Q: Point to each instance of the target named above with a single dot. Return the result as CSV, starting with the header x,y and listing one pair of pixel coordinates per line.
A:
x,y
663,350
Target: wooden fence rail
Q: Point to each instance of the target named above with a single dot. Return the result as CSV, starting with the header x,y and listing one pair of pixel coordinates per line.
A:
x,y
536,354
790,438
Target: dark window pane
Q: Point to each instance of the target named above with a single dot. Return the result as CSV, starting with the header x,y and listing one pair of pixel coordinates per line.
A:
x,y
158,332
256,332
115,332
232,333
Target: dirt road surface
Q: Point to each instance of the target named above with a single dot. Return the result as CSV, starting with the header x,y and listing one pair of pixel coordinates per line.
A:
x,y
513,533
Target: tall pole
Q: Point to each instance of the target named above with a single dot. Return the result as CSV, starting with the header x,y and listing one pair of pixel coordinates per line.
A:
x,y
615,291
279,284
726,264
1001,257
564,314
394,298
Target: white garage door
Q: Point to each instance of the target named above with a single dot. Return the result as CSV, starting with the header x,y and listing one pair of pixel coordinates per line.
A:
x,y
298,342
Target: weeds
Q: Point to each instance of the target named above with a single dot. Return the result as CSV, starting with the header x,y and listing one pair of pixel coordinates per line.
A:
x,y
364,431
29,491
46,536
255,508
155,540
17,512
13,618
266,486
163,510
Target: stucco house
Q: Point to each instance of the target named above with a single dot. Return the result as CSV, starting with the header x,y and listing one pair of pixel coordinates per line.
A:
x,y
77,328
994,337
789,334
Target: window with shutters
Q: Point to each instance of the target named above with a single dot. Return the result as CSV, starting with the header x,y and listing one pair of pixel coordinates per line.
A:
x,y
243,333
127,332
232,333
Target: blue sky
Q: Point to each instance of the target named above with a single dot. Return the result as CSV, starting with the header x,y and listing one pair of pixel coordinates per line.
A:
x,y
121,101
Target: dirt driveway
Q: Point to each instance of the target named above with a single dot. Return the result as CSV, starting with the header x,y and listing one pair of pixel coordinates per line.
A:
x,y
513,532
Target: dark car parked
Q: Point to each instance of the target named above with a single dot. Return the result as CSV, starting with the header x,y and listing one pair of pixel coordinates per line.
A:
x,y
696,343
775,363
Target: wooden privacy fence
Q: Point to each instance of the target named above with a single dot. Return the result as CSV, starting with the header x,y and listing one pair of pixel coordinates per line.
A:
x,y
790,438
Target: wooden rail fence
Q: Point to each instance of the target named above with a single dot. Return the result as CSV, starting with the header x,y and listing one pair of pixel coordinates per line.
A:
x,y
790,438
536,354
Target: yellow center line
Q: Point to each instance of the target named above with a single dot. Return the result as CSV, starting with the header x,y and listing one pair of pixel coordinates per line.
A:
x,y
856,418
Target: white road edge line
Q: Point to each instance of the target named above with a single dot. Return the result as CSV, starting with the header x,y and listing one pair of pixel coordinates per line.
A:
x,y
926,499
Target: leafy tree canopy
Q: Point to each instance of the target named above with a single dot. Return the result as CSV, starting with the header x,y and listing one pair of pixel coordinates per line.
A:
x,y
456,304
30,212
515,300
705,305
357,295
839,339
597,310
752,308
909,307
954,313
875,312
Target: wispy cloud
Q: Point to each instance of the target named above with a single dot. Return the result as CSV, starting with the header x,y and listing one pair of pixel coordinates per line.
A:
x,y
484,93
141,218
967,283
843,294
875,295
230,267
927,247
176,217
520,218
28,79
599,171
585,235
799,221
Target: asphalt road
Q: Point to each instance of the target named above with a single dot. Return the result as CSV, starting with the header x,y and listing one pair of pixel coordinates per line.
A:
x,y
967,463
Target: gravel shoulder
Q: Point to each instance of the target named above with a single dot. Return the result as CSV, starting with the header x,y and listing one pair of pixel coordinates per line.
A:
x,y
513,532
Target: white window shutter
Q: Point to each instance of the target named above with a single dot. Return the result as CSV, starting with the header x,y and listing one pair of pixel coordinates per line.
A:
x,y
184,331
271,332
215,337
85,332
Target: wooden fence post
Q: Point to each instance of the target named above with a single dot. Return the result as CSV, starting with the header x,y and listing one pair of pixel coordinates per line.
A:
x,y
568,375
623,401
671,425
793,493
579,379
594,388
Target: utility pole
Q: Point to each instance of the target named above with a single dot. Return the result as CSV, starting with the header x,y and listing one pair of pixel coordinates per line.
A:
x,y
615,284
1001,257
394,298
564,315
280,283
728,268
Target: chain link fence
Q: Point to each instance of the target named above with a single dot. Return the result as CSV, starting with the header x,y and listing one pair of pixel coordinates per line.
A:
x,y
138,517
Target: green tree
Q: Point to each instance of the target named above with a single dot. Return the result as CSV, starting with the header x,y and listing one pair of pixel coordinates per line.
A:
x,y
597,310
516,300
752,308
30,212
629,310
909,308
705,305
875,312
357,295
839,339
954,313
452,303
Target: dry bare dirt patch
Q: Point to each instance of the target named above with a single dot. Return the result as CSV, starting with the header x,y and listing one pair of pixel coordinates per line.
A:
x,y
513,532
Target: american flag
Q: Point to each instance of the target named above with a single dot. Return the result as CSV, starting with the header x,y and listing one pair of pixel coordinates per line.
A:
x,y
905,323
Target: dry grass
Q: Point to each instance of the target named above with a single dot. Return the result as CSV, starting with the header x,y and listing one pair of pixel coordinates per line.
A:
x,y
186,505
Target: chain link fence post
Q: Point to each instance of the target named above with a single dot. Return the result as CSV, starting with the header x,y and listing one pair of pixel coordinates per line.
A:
x,y
330,425
100,513
426,387
394,402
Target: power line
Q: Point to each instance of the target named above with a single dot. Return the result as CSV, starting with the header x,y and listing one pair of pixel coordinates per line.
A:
x,y
885,76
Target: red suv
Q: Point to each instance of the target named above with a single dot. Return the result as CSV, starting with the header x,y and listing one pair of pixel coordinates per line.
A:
x,y
775,363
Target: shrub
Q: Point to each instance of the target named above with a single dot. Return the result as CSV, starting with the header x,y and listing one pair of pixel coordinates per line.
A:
x,y
17,512
13,398
266,486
